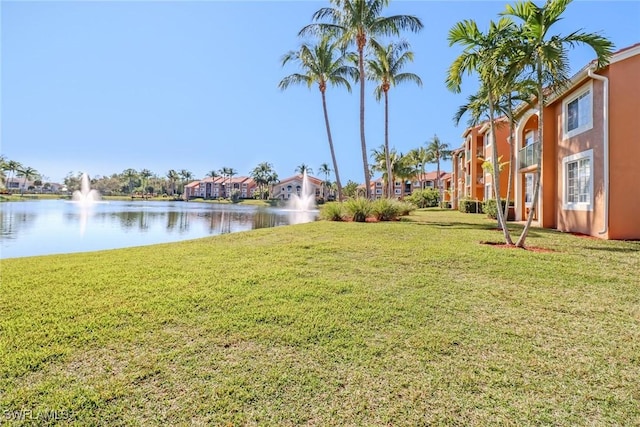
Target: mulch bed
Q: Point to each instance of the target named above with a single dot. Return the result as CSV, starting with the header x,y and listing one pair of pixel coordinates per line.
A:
x,y
527,248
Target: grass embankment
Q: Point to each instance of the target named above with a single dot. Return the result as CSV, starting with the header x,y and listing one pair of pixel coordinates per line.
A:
x,y
401,323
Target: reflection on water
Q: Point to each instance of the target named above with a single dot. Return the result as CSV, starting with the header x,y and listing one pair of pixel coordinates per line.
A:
x,y
55,226
12,223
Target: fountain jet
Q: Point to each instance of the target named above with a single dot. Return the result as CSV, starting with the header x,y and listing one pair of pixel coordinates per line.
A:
x,y
86,195
306,200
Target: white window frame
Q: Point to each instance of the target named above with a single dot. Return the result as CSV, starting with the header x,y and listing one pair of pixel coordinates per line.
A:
x,y
587,88
530,134
577,206
528,204
488,191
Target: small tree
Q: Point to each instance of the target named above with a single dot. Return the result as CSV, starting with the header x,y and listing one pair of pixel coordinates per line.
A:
x,y
350,189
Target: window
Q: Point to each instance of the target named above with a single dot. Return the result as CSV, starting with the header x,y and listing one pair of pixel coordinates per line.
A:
x,y
578,181
578,112
487,140
530,137
528,188
488,192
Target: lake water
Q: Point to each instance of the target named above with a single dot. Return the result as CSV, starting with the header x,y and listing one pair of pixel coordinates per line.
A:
x,y
57,226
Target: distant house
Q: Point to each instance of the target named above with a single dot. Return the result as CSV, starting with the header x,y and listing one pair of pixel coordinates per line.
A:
x,y
221,187
403,188
17,183
192,190
287,187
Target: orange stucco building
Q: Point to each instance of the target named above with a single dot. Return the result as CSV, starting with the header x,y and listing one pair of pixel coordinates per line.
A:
x,y
469,180
590,150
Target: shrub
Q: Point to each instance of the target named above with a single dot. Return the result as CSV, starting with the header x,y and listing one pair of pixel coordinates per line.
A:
x,y
358,209
489,207
385,209
405,208
470,206
426,198
332,211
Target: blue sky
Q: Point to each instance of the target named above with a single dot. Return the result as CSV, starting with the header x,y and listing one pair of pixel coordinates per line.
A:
x,y
109,85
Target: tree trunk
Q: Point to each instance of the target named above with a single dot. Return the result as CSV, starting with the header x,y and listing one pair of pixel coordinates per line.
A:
x,y
496,174
333,154
511,161
438,178
537,176
363,143
387,154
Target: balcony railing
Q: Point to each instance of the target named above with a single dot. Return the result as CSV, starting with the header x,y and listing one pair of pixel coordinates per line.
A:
x,y
529,155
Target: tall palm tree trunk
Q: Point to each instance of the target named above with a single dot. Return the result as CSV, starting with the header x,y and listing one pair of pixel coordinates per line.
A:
x,y
511,161
438,180
496,173
363,142
387,154
333,154
537,176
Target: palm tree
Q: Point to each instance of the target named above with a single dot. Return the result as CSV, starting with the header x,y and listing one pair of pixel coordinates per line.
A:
x,y
400,167
12,167
481,55
228,173
186,176
418,158
323,64
213,174
548,62
231,172
385,68
302,168
27,173
437,151
325,170
145,174
224,173
3,168
173,177
130,175
357,21
272,178
263,175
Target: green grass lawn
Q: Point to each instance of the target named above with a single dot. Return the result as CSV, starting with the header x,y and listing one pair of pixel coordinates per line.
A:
x,y
401,323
